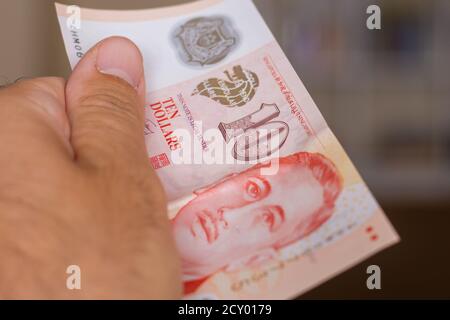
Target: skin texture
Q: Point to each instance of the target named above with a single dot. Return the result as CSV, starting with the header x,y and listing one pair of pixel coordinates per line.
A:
x,y
76,186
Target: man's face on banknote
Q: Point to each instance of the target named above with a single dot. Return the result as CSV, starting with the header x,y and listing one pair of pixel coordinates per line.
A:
x,y
245,216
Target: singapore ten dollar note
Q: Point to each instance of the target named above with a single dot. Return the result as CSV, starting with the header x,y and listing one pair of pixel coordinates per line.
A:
x,y
263,200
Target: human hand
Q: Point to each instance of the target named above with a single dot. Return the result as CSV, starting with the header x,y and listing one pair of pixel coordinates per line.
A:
x,y
76,186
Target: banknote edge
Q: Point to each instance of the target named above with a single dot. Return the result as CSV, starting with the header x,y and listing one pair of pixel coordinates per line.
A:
x,y
133,15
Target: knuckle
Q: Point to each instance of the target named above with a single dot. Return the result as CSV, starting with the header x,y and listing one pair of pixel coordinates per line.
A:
x,y
113,113
115,101
134,203
51,85
36,96
107,125
137,184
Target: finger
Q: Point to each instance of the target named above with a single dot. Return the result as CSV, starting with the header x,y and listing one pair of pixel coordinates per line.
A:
x,y
33,122
105,98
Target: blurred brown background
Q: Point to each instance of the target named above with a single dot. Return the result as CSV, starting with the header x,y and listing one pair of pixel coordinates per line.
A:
x,y
385,94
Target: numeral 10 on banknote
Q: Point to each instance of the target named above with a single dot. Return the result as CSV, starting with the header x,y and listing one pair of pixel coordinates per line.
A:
x,y
256,135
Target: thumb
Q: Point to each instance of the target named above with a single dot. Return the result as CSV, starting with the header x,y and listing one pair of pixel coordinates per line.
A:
x,y
105,98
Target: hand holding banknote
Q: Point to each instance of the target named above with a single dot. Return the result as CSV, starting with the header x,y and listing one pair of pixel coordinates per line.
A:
x,y
263,200
76,186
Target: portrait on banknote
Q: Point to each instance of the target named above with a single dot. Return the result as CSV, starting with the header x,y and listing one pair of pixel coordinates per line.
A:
x,y
244,218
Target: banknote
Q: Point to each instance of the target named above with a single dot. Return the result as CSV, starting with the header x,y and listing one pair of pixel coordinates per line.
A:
x,y
263,200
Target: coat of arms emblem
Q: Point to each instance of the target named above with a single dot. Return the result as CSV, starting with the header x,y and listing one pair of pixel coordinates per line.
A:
x,y
205,40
